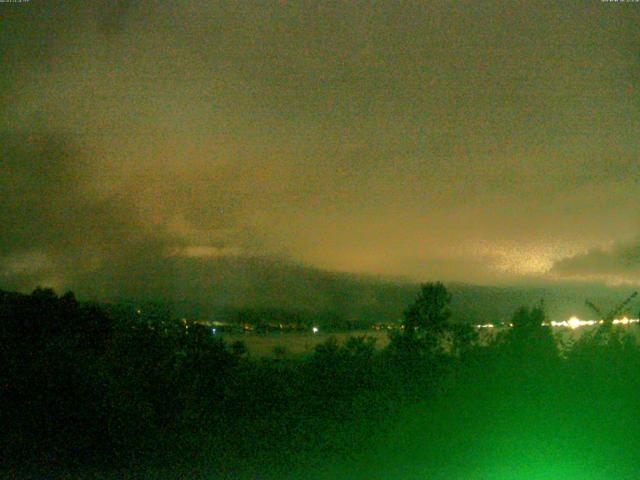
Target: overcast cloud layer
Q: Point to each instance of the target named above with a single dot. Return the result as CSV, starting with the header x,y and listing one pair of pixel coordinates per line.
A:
x,y
485,142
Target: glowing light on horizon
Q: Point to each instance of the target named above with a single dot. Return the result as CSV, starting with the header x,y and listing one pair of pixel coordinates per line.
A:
x,y
574,323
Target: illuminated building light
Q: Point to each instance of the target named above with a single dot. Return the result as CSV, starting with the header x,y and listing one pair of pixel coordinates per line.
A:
x,y
625,321
574,322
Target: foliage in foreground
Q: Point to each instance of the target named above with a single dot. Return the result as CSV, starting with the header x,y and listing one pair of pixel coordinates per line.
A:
x,y
86,390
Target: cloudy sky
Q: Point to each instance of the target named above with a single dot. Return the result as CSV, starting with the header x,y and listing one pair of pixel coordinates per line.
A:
x,y
484,142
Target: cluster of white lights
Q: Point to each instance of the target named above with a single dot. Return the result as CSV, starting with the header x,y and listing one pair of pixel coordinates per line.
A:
x,y
575,322
626,321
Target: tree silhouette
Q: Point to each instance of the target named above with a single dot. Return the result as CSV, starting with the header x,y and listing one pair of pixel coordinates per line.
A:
x,y
529,338
429,314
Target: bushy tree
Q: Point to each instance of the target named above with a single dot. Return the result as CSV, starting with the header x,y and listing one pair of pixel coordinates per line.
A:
x,y
463,338
430,311
528,337
425,322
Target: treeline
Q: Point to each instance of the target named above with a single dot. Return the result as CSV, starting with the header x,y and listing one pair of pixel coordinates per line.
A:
x,y
92,390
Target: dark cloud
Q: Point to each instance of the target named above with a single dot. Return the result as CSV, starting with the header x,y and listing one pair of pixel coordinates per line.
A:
x,y
55,226
619,263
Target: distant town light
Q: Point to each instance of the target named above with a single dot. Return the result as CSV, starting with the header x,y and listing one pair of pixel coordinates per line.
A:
x,y
574,322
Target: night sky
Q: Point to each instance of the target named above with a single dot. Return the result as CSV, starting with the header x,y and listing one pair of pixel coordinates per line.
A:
x,y
483,142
